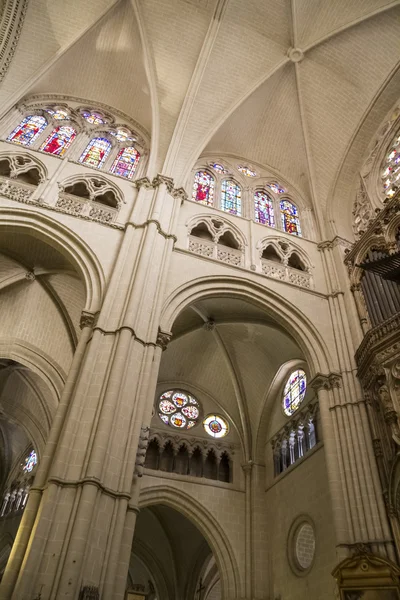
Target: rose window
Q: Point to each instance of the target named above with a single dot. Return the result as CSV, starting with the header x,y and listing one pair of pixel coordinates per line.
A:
x,y
178,409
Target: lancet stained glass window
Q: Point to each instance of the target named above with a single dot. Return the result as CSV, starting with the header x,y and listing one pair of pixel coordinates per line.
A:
x,y
96,152
28,130
231,197
215,426
30,462
264,209
294,392
126,162
178,409
289,217
391,168
203,188
59,140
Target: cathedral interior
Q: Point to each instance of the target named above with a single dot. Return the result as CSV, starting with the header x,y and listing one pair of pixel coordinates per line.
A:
x,y
199,300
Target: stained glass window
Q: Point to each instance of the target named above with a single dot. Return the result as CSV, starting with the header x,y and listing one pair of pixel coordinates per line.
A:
x,y
126,162
203,188
178,409
28,130
96,152
215,426
218,167
247,171
391,168
58,114
231,197
264,209
93,117
30,462
294,392
275,188
290,218
59,140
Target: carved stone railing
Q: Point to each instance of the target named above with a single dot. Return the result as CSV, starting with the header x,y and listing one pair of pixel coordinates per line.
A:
x,y
282,272
73,205
210,249
16,190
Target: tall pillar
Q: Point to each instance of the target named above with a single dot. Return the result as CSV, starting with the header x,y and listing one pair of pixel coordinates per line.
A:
x,y
87,498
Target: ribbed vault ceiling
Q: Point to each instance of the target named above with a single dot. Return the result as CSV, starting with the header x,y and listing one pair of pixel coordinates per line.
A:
x,y
220,75
234,363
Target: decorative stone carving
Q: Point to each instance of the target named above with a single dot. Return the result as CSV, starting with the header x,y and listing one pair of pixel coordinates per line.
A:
x,y
70,204
209,325
363,213
30,276
163,339
20,192
12,18
88,319
326,382
214,248
141,451
90,592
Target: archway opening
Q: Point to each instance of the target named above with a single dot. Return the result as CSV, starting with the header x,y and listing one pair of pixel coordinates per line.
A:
x,y
171,559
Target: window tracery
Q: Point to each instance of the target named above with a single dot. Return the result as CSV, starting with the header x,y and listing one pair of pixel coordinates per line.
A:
x,y
16,494
54,128
231,197
59,140
216,426
203,188
289,217
216,238
126,162
179,409
28,130
294,392
391,168
264,208
96,152
227,194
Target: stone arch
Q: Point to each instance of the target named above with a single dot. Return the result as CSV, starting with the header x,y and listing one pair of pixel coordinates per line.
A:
x,y
21,162
281,310
217,226
66,242
208,527
96,185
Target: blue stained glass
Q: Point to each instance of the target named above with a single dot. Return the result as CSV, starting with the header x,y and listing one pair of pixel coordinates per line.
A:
x,y
218,167
30,462
391,173
264,209
126,162
275,188
96,152
294,391
289,218
28,130
247,171
231,197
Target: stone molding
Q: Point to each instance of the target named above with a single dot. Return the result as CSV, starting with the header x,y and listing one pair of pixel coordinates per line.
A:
x,y
326,382
163,339
158,180
116,494
336,241
12,20
88,319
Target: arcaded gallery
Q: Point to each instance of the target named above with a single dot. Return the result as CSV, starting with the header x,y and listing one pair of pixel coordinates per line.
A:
x,y
200,300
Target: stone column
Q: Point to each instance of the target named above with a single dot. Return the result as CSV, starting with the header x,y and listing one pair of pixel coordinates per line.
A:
x,y
80,525
357,501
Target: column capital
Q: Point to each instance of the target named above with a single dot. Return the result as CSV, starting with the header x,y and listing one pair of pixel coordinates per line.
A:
x,y
163,339
88,319
326,382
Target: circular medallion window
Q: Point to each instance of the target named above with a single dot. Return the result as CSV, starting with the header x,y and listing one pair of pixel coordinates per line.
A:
x,y
178,409
215,426
301,546
294,392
